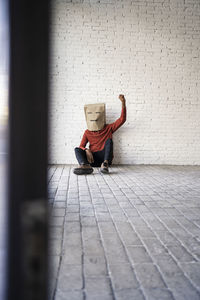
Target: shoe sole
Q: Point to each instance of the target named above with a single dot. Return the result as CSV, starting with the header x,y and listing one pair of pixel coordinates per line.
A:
x,y
104,171
80,171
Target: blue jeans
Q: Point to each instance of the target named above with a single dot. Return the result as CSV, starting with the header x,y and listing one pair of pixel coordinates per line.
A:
x,y
99,156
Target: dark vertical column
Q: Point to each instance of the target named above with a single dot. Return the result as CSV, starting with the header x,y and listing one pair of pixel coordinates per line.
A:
x,y
28,125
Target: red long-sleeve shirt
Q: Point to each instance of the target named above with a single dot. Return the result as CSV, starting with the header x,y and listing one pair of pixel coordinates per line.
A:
x,y
97,139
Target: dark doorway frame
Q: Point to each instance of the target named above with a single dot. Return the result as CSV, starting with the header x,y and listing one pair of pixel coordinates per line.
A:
x,y
27,258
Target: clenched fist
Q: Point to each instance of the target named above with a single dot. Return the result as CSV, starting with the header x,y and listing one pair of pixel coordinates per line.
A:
x,y
121,98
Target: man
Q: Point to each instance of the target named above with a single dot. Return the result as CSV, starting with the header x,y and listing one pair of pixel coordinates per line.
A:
x,y
99,135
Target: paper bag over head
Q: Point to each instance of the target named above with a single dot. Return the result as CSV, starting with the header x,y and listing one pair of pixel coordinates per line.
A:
x,y
95,115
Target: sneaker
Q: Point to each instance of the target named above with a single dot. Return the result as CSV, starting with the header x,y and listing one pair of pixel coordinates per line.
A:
x,y
104,168
82,170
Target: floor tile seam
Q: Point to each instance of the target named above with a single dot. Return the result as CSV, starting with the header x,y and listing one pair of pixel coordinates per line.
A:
x,y
59,170
140,287
102,244
62,242
49,179
82,246
58,183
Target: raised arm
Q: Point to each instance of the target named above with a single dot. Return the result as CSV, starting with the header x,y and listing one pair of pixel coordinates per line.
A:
x,y
83,142
122,119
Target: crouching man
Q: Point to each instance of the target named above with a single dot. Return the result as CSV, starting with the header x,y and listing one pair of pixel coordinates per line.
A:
x,y
99,136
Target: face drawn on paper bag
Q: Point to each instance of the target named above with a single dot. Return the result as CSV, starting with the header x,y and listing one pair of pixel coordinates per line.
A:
x,y
95,115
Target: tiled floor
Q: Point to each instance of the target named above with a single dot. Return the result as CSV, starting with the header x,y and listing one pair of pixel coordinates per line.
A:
x,y
132,234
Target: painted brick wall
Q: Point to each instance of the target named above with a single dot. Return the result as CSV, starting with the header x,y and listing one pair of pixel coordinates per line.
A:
x,y
148,50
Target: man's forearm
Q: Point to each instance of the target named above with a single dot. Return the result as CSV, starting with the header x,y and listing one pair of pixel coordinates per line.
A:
x,y
124,103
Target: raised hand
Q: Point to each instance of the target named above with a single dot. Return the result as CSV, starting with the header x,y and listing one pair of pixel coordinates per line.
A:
x,y
121,98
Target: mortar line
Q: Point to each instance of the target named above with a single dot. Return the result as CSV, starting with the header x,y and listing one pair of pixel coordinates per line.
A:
x,y
101,242
62,241
83,254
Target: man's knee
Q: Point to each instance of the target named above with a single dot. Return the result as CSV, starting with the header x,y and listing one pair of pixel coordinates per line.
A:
x,y
77,149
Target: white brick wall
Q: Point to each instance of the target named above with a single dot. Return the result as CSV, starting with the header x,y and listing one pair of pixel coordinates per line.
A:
x,y
148,50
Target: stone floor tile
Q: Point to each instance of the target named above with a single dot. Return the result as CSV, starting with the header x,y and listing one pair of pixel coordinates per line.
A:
x,y
155,247
70,278
123,276
55,247
129,294
93,247
130,239
181,253
98,285
55,233
149,276
56,221
72,239
72,255
71,216
68,295
167,238
138,254
102,296
158,294
94,266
